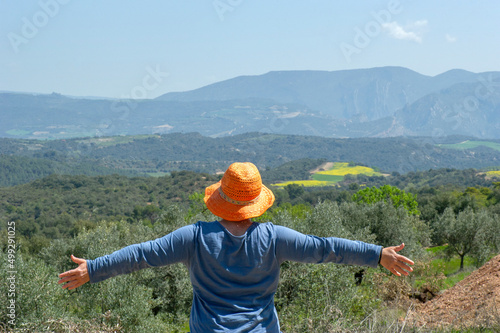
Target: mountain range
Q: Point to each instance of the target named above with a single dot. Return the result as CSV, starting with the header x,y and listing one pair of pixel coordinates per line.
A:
x,y
375,102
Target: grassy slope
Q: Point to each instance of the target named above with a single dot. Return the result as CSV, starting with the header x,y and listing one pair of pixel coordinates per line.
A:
x,y
471,145
450,267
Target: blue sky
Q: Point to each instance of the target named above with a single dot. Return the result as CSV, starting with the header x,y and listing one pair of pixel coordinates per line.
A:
x,y
148,48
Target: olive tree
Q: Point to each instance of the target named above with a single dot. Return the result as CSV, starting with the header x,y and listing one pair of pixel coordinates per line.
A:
x,y
468,233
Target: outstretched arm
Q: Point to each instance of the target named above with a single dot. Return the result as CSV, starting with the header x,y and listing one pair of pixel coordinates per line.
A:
x,y
395,262
295,246
76,277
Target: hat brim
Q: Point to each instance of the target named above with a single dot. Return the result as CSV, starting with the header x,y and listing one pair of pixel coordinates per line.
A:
x,y
232,212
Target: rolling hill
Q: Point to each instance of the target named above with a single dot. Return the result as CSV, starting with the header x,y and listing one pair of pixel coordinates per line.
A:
x,y
152,154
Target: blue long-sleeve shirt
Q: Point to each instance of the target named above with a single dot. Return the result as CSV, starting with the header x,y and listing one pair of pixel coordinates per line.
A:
x,y
234,278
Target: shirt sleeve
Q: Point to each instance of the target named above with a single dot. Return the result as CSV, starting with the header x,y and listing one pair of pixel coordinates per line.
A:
x,y
295,246
169,249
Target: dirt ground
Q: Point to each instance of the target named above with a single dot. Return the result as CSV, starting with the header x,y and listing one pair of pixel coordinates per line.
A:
x,y
324,166
473,302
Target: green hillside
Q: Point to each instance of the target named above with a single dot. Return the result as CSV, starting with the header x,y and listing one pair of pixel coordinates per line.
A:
x,y
160,154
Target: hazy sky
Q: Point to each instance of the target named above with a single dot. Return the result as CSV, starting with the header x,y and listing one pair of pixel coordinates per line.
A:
x,y
143,49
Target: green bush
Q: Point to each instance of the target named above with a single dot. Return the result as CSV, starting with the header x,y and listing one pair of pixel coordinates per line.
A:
x,y
150,300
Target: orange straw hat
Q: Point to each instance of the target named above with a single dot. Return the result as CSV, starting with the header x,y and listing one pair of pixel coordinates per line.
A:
x,y
239,195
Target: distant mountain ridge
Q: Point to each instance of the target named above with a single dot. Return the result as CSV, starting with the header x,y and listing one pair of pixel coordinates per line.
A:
x,y
362,93
374,102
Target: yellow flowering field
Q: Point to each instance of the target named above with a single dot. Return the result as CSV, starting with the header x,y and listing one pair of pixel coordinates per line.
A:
x,y
493,174
306,183
342,169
